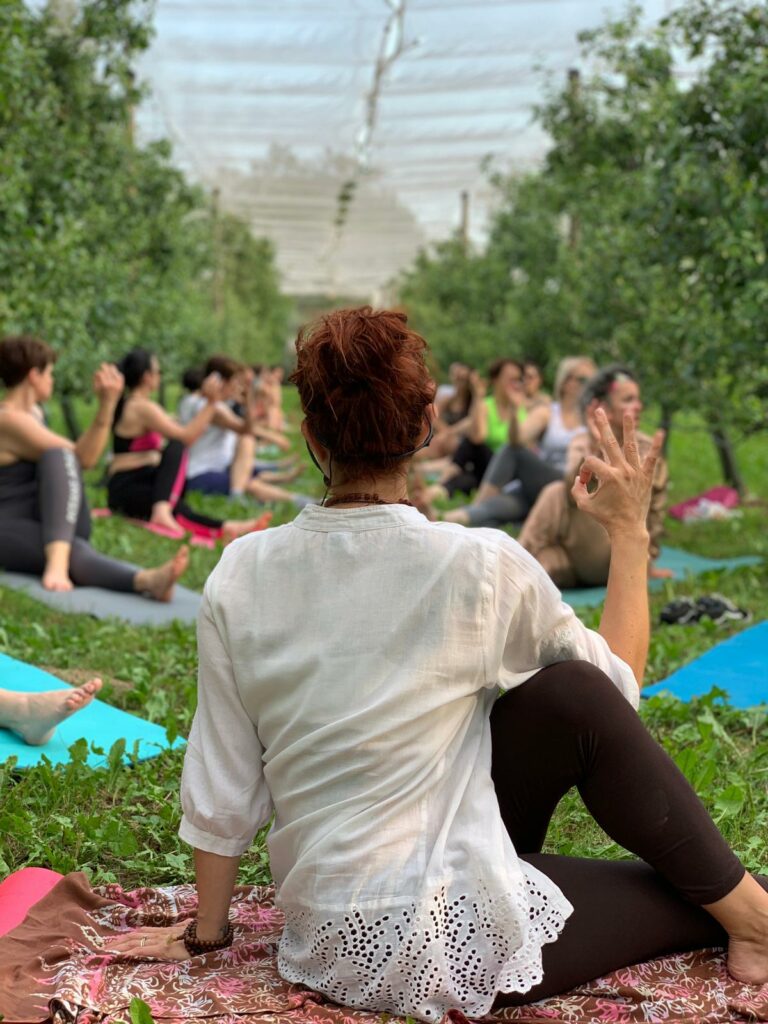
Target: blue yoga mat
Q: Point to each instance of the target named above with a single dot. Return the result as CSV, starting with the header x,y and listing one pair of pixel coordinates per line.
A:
x,y
738,665
682,563
98,723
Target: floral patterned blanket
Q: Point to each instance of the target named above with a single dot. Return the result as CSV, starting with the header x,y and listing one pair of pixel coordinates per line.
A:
x,y
53,968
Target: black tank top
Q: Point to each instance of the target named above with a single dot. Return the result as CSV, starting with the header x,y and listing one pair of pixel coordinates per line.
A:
x,y
18,491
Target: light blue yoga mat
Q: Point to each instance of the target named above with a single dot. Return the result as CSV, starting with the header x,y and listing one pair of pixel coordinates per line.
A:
x,y
682,563
98,723
738,665
104,604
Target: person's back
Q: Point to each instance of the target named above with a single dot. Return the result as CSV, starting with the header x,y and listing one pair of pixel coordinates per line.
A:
x,y
369,688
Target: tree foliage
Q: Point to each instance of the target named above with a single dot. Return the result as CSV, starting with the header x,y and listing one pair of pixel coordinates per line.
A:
x,y
103,244
643,236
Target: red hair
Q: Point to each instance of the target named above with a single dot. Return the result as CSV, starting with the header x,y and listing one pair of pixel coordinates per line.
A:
x,y
364,387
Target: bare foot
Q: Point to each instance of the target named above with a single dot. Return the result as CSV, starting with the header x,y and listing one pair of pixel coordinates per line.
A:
x,y
159,583
748,960
36,715
57,579
234,528
162,516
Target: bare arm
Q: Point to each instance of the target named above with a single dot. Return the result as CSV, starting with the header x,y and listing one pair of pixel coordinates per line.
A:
x,y
478,410
25,437
620,505
532,427
216,877
108,384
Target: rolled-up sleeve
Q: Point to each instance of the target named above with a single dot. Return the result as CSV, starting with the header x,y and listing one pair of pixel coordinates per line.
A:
x,y
531,627
224,796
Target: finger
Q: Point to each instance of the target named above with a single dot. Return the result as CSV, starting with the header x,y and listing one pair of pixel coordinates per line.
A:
x,y
650,460
596,467
631,450
608,439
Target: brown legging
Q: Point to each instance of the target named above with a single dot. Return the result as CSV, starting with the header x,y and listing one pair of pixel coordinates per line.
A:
x,y
569,726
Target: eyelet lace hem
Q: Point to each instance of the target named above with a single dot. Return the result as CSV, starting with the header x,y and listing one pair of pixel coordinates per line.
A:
x,y
448,951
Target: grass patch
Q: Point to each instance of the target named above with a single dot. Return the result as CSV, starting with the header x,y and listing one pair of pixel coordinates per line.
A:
x,y
119,823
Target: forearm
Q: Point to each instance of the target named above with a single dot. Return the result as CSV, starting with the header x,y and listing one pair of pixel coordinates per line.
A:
x,y
625,624
216,876
92,443
478,422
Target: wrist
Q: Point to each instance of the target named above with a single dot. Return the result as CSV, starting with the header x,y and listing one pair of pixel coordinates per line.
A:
x,y
632,536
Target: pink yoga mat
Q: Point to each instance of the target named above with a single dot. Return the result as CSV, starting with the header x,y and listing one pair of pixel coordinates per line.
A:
x,y
19,893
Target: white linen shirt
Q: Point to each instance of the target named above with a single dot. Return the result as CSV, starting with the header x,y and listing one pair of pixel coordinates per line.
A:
x,y
348,665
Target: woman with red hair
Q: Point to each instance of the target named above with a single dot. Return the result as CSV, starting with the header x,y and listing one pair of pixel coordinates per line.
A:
x,y
351,664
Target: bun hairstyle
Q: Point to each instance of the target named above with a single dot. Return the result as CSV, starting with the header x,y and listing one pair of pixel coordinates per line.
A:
x,y
364,387
133,366
192,379
600,386
21,353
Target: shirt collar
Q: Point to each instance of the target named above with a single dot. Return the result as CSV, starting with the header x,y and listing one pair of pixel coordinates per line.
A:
x,y
316,518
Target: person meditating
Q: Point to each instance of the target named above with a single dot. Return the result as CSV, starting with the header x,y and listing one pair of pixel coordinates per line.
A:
x,y
573,547
148,471
45,524
359,703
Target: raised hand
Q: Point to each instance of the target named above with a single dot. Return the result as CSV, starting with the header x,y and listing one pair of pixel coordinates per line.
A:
x,y
624,482
477,386
108,383
212,386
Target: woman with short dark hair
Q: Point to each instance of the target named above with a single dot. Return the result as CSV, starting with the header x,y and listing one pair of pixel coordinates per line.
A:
x,y
45,524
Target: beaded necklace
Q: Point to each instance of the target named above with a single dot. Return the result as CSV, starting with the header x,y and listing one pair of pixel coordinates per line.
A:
x,y
365,499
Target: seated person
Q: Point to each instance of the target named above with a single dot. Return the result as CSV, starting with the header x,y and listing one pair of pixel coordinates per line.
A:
x,y
490,416
147,475
536,453
452,402
360,714
221,460
45,524
570,545
533,379
34,716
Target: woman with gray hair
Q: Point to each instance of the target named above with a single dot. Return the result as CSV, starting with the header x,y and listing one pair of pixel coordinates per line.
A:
x,y
535,455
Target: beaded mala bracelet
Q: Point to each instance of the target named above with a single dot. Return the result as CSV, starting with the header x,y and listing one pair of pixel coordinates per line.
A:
x,y
197,947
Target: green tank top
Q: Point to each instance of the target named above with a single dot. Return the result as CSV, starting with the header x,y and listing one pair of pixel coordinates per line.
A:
x,y
498,429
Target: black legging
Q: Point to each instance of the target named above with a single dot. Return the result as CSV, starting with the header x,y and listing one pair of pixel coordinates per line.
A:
x,y
44,502
133,492
471,461
570,726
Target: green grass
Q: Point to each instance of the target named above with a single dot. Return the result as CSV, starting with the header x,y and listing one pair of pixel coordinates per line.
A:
x,y
120,823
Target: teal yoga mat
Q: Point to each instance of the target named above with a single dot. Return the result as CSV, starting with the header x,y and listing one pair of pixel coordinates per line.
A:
x,y
98,723
738,665
104,604
682,563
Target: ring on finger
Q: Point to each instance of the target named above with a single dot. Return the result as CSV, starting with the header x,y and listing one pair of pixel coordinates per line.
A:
x,y
143,942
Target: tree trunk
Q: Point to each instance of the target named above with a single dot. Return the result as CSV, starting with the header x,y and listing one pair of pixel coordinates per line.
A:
x,y
728,465
70,416
667,412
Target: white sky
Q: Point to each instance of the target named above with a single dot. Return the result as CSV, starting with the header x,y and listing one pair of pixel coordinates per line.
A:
x,y
266,100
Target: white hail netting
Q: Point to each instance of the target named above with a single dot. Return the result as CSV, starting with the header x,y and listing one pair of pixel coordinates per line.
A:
x,y
345,130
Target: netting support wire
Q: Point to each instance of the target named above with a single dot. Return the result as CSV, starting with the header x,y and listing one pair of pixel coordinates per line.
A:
x,y
392,47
